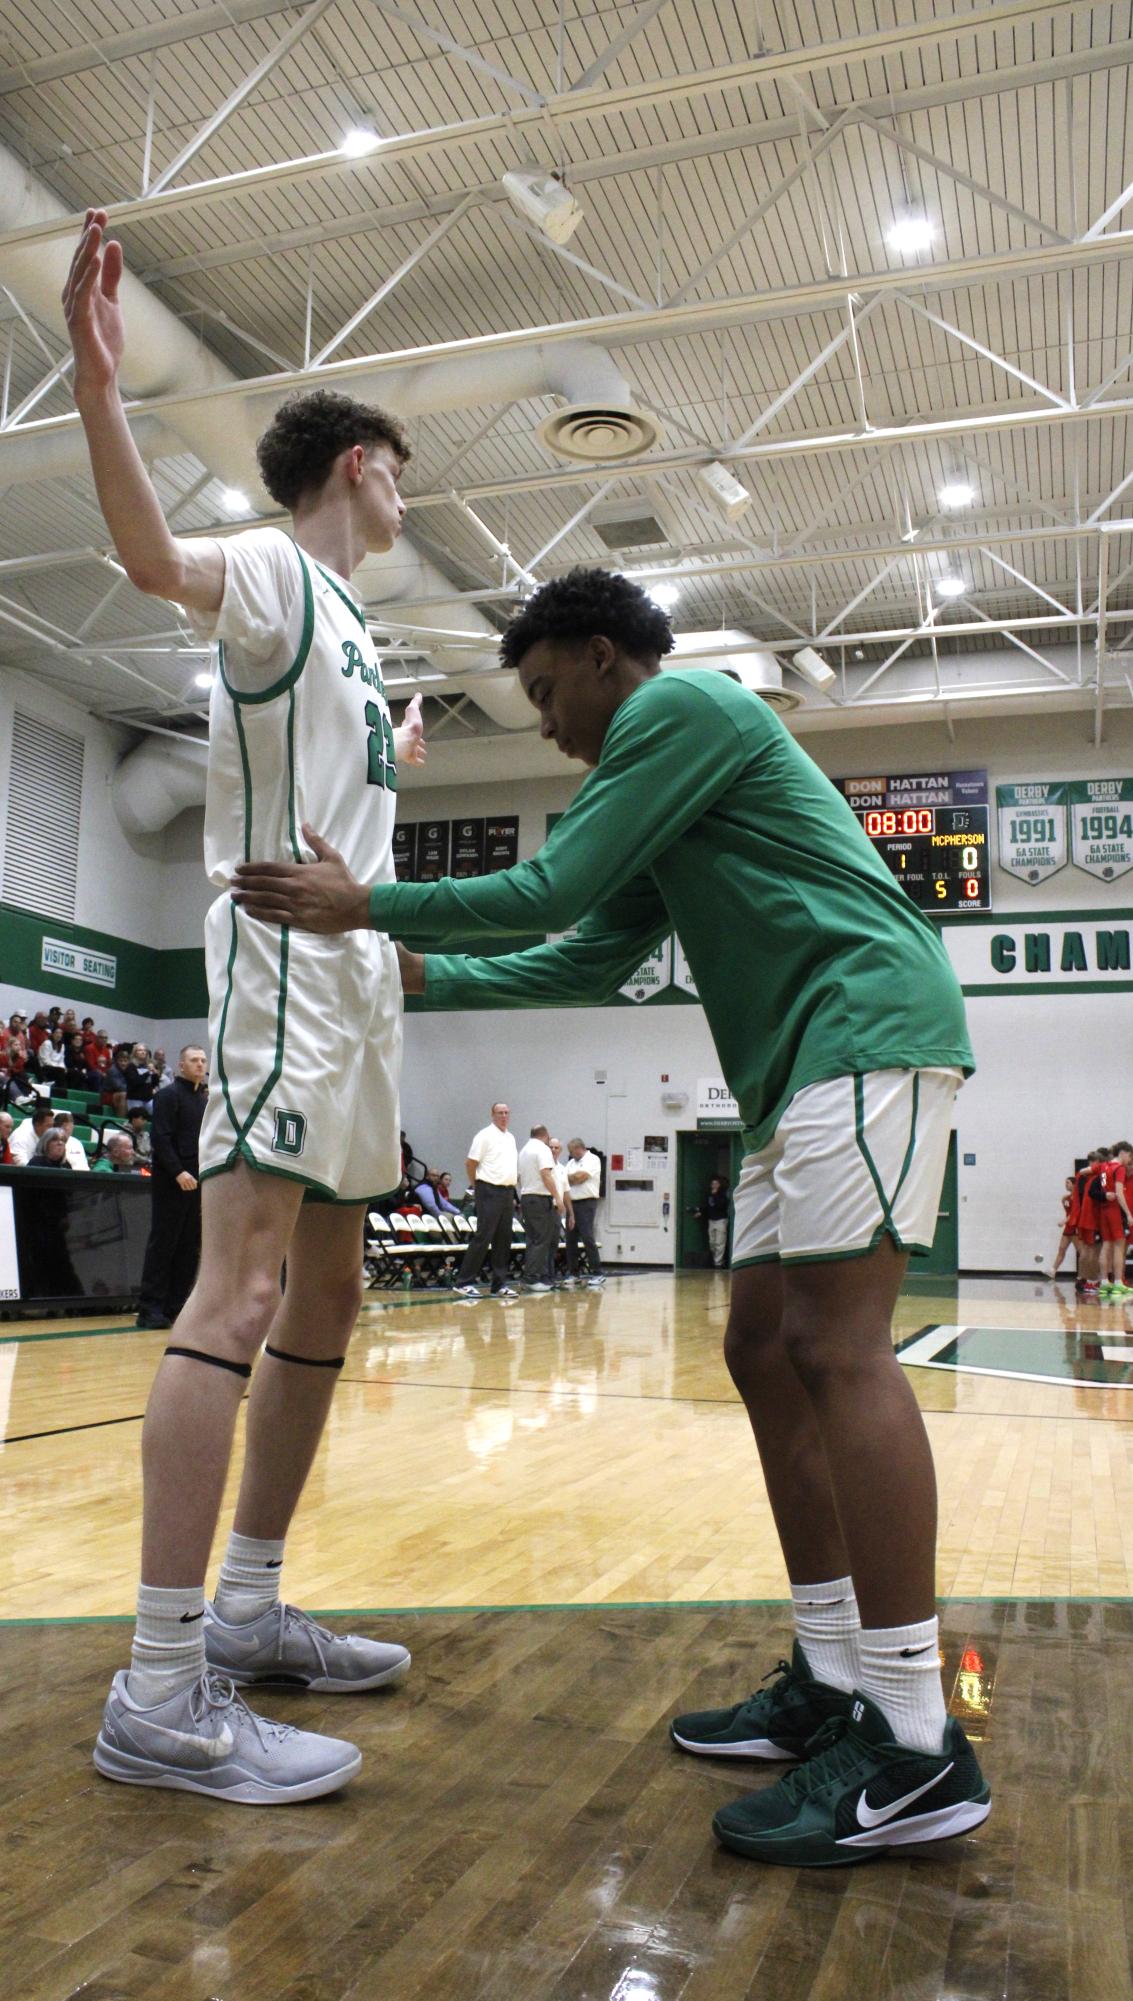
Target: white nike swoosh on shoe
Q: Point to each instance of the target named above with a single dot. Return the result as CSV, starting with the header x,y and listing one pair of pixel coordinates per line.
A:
x,y
227,1638
213,1747
869,1816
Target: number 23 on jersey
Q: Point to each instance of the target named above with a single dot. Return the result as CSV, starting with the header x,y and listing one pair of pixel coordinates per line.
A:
x,y
381,753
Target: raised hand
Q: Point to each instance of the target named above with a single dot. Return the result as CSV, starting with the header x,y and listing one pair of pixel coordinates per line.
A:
x,y
409,736
90,305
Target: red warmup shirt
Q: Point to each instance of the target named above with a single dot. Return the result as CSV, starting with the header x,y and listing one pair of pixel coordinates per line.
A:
x,y
1087,1209
36,1035
98,1057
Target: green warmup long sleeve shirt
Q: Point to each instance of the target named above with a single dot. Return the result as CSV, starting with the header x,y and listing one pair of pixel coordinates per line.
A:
x,y
704,817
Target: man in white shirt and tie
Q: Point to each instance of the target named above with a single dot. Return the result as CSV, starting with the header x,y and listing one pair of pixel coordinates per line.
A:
x,y
584,1178
492,1167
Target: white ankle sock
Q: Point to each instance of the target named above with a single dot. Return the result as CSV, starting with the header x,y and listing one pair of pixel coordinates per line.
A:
x,y
249,1579
900,1671
168,1652
827,1625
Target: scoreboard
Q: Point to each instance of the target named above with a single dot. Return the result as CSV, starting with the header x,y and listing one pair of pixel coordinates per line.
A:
x,y
931,830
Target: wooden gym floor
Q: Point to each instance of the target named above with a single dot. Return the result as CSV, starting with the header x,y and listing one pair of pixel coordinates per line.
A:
x,y
560,1499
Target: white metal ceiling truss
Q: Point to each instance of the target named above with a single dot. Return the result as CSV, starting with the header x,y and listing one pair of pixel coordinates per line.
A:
x,y
840,383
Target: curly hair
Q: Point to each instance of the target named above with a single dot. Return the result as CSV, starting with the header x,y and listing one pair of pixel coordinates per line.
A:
x,y
306,435
583,603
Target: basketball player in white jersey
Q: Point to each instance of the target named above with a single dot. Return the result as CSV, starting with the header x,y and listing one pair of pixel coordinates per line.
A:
x,y
302,1124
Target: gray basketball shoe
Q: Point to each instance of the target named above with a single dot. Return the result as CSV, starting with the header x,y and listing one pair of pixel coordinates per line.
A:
x,y
205,1739
286,1647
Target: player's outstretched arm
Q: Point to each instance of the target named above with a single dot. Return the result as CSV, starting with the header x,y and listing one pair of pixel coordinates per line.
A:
x,y
158,562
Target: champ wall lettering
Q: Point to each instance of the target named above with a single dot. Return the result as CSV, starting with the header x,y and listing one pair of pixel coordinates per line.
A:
x,y
1059,952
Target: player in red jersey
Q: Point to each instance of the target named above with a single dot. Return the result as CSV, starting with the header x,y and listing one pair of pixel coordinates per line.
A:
x,y
1069,1225
1114,1220
1086,1234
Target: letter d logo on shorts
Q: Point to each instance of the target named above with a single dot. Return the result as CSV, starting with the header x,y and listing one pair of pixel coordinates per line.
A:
x,y
290,1133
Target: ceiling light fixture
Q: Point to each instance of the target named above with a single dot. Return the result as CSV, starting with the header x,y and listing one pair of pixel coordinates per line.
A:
x,y
911,233
950,587
956,493
542,199
730,494
813,668
233,501
202,680
664,595
360,140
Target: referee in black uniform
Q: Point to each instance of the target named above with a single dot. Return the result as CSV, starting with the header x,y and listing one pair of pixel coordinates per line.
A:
x,y
175,1229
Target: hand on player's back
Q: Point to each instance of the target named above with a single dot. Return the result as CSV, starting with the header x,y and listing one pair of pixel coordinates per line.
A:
x,y
91,308
313,896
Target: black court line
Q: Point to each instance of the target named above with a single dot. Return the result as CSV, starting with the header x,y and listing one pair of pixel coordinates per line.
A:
x,y
57,1431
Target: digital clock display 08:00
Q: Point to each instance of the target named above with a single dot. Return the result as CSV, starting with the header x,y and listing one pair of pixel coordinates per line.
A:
x,y
939,854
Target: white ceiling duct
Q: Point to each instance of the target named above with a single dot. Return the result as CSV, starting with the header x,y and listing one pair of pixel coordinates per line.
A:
x,y
163,358
157,781
754,667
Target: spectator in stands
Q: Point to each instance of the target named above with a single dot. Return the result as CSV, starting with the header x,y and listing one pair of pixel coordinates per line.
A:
x,y
76,1151
584,1179
161,1070
39,1028
118,1157
51,1150
97,1050
138,1126
69,1022
141,1081
6,1124
17,1054
51,1061
174,1245
114,1082
28,1134
491,1168
80,1077
540,1205
429,1193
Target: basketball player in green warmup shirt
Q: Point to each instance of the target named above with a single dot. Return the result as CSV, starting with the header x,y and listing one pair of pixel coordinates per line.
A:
x,y
840,1030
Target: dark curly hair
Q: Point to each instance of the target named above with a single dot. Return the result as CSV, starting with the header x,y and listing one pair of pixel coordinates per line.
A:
x,y
307,434
585,602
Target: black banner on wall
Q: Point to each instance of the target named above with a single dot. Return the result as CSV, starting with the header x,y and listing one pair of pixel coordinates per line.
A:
x,y
405,853
501,844
426,850
432,850
467,848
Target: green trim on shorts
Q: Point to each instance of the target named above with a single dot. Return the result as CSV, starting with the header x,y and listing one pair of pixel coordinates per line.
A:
x,y
859,1136
286,681
243,1152
221,1071
764,1258
861,1251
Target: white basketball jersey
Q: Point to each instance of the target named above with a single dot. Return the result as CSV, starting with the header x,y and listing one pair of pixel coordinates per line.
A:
x,y
316,743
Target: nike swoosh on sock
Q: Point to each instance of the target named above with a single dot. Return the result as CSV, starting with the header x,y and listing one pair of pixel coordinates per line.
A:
x,y
187,1618
910,1653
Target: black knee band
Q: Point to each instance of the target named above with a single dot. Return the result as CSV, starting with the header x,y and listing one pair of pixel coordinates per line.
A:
x,y
214,1361
304,1361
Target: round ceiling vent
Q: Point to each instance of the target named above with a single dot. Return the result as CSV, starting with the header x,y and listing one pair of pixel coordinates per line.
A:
x,y
597,435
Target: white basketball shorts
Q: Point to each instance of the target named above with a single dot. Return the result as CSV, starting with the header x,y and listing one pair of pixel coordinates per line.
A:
x,y
851,1160
305,1037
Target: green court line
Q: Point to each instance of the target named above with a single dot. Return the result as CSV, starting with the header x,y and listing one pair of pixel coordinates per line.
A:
x,y
601,1605
75,1334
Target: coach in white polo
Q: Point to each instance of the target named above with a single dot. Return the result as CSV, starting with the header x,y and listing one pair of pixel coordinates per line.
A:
x,y
584,1178
492,1167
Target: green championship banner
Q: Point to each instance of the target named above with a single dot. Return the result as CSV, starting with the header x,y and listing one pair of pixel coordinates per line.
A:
x,y
1032,830
1101,826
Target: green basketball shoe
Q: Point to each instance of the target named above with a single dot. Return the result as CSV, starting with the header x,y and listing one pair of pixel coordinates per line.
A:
x,y
775,1722
858,1794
